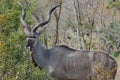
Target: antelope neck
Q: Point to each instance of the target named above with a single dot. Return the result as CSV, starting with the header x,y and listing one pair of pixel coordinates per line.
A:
x,y
40,55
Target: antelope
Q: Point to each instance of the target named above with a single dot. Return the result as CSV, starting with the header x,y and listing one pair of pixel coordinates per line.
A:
x,y
64,63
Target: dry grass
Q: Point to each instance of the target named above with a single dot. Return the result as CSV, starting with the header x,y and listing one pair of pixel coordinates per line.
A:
x,y
118,71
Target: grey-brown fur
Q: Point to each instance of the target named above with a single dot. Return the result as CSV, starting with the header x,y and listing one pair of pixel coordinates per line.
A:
x,y
64,63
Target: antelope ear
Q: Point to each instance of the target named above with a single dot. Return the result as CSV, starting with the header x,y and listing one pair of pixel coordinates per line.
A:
x,y
27,30
39,30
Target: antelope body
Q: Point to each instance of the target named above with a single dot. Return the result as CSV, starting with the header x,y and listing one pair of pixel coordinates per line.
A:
x,y
64,63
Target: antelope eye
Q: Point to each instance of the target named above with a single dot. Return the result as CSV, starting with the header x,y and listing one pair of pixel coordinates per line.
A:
x,y
33,37
30,37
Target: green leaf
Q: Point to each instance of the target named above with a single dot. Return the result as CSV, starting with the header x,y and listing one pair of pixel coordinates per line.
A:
x,y
116,54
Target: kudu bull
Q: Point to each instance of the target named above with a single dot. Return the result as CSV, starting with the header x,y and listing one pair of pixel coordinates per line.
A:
x,y
64,63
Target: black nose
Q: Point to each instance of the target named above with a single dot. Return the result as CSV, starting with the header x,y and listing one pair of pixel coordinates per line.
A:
x,y
27,45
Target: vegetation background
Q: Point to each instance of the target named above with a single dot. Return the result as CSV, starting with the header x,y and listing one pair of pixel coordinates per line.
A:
x,y
80,24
